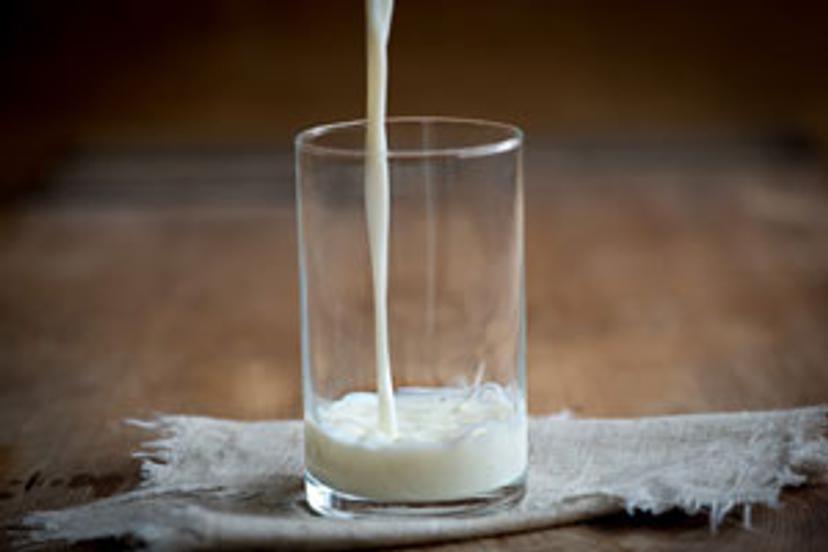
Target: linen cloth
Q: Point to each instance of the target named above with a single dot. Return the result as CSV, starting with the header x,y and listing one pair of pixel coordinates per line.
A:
x,y
210,483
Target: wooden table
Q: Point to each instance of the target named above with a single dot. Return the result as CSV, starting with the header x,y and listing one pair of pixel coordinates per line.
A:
x,y
661,280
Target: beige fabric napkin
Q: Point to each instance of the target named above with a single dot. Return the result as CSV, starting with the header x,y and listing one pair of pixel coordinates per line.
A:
x,y
211,483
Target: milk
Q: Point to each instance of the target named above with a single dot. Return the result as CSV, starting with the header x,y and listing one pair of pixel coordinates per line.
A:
x,y
452,443
420,444
377,199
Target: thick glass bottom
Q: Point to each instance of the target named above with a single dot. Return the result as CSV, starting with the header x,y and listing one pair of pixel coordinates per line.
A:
x,y
327,501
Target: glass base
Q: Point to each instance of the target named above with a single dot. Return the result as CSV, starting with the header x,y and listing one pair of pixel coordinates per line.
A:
x,y
329,502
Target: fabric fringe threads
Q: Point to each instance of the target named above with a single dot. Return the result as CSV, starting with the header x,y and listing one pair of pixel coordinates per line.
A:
x,y
208,482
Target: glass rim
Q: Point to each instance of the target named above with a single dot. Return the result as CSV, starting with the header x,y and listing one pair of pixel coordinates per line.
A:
x,y
513,138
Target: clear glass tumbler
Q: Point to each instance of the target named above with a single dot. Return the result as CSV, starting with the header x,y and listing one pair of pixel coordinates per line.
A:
x,y
456,319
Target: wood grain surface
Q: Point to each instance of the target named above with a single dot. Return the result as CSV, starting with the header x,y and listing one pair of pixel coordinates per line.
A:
x,y
660,281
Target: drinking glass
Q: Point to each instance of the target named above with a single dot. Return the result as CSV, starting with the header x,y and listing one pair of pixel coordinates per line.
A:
x,y
456,314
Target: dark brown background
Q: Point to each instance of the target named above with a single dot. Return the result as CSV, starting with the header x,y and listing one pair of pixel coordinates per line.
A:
x,y
677,221
154,73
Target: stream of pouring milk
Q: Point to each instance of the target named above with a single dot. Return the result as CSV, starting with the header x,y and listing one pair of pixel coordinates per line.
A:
x,y
378,198
422,444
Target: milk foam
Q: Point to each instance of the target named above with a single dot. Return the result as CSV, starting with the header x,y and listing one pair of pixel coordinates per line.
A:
x,y
451,443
